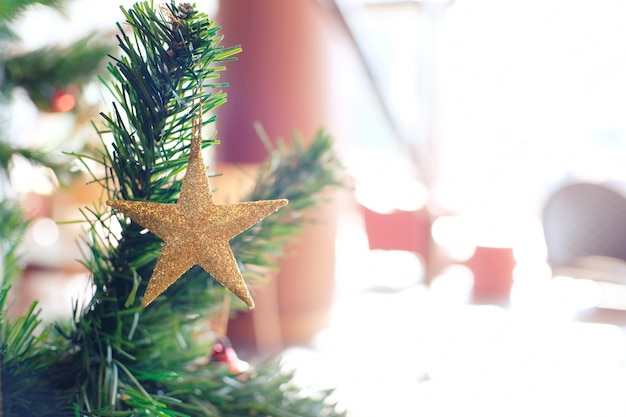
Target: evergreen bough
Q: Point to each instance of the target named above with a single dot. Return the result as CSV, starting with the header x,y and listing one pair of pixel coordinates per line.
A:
x,y
116,358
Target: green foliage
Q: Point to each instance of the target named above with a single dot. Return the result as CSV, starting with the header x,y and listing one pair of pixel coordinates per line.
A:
x,y
294,172
41,73
118,358
28,350
25,349
12,228
44,71
27,359
9,9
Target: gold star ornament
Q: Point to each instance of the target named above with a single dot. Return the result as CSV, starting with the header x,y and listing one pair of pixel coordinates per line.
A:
x,y
196,231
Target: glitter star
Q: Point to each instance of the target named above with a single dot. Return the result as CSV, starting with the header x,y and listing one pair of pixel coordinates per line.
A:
x,y
196,231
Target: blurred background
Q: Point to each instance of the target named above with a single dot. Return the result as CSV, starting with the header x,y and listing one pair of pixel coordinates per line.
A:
x,y
475,263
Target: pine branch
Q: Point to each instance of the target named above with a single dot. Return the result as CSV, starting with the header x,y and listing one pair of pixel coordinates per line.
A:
x,y
120,359
26,361
9,9
45,70
167,67
298,174
42,73
12,229
26,351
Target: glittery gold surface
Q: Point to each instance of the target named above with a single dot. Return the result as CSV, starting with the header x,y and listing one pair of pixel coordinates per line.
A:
x,y
195,230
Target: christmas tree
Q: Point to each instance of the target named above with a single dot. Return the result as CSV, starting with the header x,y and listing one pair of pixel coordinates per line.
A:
x,y
164,260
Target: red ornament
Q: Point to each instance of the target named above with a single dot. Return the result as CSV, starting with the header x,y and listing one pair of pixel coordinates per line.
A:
x,y
63,101
223,352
